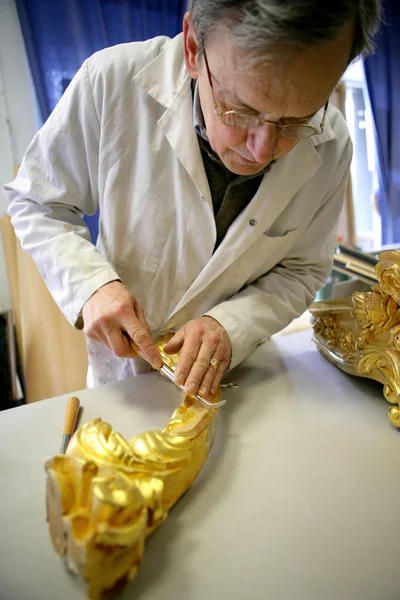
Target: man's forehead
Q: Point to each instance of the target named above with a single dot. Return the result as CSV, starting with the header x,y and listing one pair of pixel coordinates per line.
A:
x,y
281,89
306,75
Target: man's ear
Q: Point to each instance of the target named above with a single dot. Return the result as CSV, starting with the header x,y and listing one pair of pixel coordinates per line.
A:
x,y
190,46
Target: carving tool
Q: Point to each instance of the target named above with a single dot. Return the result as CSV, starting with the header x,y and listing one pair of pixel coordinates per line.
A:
x,y
170,374
71,414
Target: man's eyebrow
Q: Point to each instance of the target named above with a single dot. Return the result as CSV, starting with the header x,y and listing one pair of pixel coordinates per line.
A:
x,y
297,119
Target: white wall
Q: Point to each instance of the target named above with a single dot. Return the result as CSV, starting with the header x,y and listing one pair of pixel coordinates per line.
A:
x,y
18,103
354,72
18,112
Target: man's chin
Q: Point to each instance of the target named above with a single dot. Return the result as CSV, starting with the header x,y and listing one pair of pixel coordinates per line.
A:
x,y
240,167
248,170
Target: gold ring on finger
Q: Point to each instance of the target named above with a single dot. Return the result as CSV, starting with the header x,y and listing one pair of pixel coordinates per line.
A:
x,y
214,363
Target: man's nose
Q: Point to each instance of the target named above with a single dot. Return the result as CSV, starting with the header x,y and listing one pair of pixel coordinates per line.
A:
x,y
262,141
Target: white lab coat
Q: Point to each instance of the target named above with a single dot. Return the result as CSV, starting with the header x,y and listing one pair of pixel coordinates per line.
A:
x,y
122,139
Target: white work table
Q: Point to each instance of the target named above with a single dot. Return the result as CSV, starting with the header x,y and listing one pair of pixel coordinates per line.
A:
x,y
299,499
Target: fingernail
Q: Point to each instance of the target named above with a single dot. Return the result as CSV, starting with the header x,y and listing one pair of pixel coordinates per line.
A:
x,y
157,363
212,391
191,388
203,392
179,378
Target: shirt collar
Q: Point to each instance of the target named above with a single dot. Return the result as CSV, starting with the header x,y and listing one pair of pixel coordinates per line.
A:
x,y
198,119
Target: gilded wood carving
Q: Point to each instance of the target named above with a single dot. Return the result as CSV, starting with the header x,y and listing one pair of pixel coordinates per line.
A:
x,y
107,494
361,334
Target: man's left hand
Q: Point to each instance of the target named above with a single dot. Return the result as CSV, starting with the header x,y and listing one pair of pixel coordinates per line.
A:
x,y
205,354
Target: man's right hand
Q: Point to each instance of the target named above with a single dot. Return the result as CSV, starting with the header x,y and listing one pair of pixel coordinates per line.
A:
x,y
110,314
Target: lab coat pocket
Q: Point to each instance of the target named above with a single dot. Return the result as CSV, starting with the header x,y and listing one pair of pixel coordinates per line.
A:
x,y
279,232
270,249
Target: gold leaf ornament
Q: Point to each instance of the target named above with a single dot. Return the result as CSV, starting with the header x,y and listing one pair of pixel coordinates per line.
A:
x,y
388,272
361,334
107,494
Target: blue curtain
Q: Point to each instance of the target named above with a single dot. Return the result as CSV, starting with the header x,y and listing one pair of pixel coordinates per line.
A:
x,y
60,34
382,73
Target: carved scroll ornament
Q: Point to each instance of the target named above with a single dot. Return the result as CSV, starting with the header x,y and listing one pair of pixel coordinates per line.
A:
x,y
107,494
361,334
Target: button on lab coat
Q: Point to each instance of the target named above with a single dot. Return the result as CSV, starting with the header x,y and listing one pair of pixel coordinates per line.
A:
x,y
122,140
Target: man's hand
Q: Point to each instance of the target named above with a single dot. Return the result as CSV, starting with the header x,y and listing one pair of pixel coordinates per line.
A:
x,y
110,314
203,343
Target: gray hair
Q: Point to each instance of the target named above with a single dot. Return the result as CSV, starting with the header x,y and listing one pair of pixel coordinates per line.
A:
x,y
261,25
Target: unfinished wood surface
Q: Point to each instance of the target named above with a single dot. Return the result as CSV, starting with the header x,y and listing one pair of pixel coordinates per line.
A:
x,y
53,353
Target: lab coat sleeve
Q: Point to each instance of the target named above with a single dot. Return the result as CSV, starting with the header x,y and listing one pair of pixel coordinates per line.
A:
x,y
57,184
284,293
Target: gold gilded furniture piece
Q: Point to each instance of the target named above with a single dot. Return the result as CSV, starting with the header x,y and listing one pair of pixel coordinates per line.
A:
x,y
107,494
361,334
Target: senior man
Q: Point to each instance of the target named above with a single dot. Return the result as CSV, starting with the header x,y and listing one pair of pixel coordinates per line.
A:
x,y
219,170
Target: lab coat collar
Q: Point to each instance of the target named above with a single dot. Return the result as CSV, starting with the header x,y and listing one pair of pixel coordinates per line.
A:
x,y
166,80
162,78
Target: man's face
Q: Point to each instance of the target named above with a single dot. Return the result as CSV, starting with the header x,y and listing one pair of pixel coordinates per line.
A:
x,y
286,90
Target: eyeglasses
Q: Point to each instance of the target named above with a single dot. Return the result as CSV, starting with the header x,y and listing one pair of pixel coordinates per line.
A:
x,y
243,120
